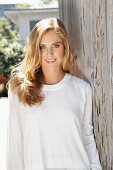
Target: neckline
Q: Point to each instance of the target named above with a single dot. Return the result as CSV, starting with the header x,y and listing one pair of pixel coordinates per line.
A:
x,y
56,85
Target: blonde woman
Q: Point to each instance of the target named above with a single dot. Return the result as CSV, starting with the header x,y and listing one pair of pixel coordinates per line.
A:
x,y
50,119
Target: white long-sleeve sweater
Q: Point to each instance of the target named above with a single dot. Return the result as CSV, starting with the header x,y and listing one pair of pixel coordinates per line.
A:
x,y
56,134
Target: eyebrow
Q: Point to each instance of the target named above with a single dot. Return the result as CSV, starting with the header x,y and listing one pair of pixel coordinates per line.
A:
x,y
54,43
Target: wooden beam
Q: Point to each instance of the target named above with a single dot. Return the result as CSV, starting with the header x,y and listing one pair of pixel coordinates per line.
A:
x,y
90,27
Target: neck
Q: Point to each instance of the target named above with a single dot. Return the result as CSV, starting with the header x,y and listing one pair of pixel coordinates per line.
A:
x,y
53,77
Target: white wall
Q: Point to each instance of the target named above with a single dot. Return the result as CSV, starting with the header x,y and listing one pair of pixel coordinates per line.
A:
x,y
25,18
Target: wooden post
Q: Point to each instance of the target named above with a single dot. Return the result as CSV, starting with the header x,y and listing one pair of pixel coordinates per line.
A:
x,y
90,27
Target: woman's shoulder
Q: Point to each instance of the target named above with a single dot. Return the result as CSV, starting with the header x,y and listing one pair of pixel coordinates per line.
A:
x,y
80,86
79,81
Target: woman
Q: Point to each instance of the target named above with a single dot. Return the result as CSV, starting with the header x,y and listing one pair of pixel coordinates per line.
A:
x,y
50,121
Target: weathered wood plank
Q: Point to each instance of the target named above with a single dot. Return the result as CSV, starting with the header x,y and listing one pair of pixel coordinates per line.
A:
x,y
90,26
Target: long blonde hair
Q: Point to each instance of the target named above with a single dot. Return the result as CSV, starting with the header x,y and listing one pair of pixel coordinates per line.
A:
x,y
26,79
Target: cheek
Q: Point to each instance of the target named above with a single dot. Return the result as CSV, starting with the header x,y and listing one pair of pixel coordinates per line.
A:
x,y
42,53
43,56
62,53
42,60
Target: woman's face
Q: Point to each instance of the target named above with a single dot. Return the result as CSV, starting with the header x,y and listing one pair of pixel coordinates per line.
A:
x,y
52,51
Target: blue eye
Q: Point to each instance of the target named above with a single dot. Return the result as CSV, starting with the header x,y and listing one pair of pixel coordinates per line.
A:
x,y
56,46
42,47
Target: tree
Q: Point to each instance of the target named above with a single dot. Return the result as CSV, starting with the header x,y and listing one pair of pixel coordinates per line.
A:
x,y
6,31
23,6
11,51
40,3
47,2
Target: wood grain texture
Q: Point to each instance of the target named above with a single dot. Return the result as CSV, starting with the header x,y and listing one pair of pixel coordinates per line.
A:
x,y
90,27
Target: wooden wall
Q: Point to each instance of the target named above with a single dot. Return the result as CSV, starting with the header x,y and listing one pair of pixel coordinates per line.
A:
x,y
90,27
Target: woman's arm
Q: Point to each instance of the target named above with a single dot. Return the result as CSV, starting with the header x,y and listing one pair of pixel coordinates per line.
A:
x,y
15,136
87,130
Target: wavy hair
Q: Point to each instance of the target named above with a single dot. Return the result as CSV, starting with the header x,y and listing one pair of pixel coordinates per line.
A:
x,y
26,78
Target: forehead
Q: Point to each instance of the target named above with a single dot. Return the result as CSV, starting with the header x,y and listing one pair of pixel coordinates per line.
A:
x,y
50,36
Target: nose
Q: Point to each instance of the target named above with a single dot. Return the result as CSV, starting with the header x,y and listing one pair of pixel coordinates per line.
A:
x,y
50,52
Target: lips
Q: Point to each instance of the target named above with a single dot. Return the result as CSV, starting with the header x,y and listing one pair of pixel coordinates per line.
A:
x,y
50,60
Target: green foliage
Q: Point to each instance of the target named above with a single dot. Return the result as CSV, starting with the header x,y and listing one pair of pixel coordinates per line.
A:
x,y
6,31
47,2
23,6
11,51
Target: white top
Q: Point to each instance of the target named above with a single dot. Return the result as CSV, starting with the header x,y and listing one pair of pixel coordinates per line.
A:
x,y
56,134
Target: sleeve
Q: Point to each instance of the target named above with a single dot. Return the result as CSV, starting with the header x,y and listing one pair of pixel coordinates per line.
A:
x,y
14,136
87,131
